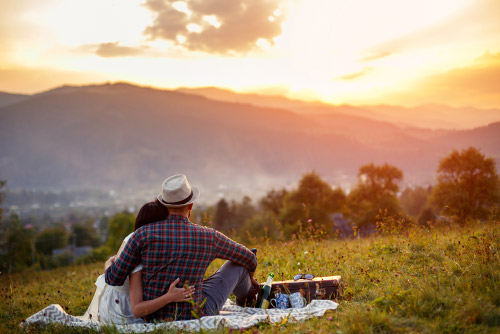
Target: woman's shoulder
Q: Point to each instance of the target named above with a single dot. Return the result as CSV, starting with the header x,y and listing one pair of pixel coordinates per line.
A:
x,y
138,268
128,237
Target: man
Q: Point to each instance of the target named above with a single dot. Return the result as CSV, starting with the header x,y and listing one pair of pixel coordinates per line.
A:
x,y
176,248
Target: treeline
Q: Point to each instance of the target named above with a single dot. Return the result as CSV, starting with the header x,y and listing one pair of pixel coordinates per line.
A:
x,y
83,241
467,190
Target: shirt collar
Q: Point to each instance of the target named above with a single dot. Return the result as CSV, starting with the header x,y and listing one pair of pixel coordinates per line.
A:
x,y
178,218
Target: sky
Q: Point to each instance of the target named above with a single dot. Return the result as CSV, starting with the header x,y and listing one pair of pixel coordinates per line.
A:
x,y
406,52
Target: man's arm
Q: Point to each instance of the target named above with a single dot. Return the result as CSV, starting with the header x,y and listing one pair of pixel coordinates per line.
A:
x,y
141,308
231,250
128,259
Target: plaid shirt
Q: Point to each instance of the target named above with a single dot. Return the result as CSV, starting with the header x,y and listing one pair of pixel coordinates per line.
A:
x,y
171,249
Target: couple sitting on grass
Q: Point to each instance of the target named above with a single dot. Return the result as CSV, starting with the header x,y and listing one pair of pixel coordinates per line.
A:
x,y
157,275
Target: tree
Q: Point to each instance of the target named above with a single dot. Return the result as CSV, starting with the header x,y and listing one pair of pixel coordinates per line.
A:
x,y
241,212
414,200
120,225
222,216
2,185
85,234
273,201
313,201
376,190
16,246
50,239
467,185
426,215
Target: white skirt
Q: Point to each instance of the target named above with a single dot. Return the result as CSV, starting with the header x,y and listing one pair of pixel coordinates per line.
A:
x,y
111,305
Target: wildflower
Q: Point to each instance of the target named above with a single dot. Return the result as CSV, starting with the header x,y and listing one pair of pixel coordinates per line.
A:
x,y
345,285
309,220
396,274
330,318
298,263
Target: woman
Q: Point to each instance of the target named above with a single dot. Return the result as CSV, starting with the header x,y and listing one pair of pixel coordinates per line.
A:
x,y
124,304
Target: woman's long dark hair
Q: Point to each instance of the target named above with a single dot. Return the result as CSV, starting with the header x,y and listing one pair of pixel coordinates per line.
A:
x,y
151,212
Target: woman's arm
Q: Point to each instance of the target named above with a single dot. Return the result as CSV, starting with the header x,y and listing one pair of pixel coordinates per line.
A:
x,y
112,259
141,308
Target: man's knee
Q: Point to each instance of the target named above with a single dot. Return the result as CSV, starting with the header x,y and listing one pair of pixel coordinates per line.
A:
x,y
235,268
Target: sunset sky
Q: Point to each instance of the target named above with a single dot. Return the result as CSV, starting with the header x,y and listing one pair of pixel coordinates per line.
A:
x,y
404,52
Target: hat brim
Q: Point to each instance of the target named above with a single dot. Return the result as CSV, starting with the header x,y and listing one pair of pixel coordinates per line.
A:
x,y
196,194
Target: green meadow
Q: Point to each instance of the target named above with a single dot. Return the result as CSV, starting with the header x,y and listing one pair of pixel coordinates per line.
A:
x,y
414,279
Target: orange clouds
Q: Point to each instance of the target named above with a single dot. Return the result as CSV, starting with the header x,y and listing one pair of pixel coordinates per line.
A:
x,y
476,85
215,26
480,20
356,75
115,50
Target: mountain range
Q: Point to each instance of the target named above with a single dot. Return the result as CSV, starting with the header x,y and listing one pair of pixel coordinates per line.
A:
x,y
430,116
121,136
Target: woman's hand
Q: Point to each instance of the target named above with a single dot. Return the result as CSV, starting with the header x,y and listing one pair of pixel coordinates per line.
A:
x,y
175,294
109,262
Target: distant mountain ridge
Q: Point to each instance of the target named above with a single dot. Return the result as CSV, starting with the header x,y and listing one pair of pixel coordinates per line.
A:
x,y
121,135
431,116
8,98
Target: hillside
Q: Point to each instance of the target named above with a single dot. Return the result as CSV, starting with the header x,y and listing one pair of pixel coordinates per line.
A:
x,y
425,281
124,136
430,116
7,98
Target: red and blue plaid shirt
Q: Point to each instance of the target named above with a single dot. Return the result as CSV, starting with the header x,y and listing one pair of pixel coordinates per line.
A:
x,y
171,249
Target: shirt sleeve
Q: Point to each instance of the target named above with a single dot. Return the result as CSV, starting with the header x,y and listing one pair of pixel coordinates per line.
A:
x,y
128,259
231,250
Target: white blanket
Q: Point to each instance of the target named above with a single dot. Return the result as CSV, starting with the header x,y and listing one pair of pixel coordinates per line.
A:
x,y
231,316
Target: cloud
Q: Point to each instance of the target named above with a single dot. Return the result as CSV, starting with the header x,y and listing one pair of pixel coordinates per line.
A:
x,y
477,85
374,56
352,76
215,26
115,50
479,21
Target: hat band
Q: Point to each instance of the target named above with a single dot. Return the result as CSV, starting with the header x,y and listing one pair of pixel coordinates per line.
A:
x,y
184,201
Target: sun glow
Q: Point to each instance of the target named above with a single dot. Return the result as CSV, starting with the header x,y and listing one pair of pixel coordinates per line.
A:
x,y
326,41
336,51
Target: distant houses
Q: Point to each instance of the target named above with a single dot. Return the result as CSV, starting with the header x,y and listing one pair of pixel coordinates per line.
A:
x,y
76,252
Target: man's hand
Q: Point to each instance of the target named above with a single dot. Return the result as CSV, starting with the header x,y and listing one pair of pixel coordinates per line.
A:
x,y
176,294
254,282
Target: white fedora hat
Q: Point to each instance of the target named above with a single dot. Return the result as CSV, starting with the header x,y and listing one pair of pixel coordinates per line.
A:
x,y
177,192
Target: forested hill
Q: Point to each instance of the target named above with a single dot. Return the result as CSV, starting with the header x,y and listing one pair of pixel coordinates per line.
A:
x,y
123,135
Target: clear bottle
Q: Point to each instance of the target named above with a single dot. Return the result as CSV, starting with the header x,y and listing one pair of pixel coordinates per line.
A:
x,y
266,291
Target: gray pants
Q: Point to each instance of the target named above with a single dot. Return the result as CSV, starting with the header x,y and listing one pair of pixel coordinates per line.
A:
x,y
230,277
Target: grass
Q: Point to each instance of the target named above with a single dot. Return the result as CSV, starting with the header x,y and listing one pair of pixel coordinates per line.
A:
x,y
422,281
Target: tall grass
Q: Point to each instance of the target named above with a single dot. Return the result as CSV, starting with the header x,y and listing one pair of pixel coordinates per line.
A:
x,y
410,279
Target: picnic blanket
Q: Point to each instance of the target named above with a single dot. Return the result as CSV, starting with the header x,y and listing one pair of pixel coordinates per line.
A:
x,y
231,316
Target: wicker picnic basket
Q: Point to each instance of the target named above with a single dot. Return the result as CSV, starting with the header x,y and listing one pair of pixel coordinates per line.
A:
x,y
329,287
